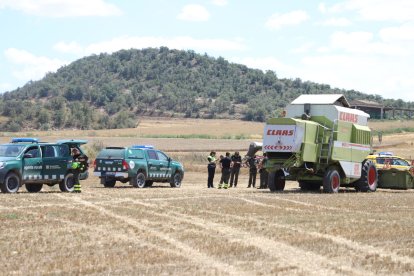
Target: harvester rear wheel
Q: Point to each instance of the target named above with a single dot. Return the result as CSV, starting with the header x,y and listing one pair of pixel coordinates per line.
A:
x,y
277,181
369,178
331,181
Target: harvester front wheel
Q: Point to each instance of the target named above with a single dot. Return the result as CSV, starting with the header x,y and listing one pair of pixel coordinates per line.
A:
x,y
369,178
277,181
331,181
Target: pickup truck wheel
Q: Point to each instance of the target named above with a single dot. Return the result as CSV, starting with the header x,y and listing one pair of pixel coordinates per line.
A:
x,y
139,180
276,181
331,181
109,183
176,180
68,183
34,188
11,183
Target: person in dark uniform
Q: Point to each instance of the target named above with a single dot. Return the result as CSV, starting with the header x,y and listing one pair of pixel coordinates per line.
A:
x,y
211,167
79,165
225,163
251,163
263,172
235,169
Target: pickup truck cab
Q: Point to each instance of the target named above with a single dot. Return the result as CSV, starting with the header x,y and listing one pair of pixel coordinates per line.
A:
x,y
26,161
141,166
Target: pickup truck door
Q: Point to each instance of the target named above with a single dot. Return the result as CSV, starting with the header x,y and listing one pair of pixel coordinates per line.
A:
x,y
165,167
55,162
154,171
32,165
76,143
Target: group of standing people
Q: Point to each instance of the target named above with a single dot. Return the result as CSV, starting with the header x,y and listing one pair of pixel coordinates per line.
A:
x,y
230,169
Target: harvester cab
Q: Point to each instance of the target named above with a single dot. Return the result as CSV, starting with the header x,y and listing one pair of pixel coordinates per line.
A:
x,y
320,142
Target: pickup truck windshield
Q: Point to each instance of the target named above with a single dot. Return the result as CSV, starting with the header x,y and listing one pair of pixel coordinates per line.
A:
x,y
112,154
10,150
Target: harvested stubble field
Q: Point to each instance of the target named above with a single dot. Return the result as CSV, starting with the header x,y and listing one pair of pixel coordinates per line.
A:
x,y
194,230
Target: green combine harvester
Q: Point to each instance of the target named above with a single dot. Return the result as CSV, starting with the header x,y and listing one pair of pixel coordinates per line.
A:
x,y
320,142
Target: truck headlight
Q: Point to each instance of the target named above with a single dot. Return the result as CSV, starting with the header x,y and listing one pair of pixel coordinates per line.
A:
x,y
2,165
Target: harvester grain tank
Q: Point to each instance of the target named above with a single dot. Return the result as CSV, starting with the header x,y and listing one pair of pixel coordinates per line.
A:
x,y
320,142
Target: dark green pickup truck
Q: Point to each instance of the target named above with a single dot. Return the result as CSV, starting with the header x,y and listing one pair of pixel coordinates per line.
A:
x,y
141,166
26,161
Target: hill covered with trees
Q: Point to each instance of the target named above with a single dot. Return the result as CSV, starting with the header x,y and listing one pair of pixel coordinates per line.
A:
x,y
114,90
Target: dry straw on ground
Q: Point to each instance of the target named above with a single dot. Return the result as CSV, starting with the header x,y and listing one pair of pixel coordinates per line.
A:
x,y
194,230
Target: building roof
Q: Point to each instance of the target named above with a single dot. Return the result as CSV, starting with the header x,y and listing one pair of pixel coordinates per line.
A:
x,y
337,99
365,103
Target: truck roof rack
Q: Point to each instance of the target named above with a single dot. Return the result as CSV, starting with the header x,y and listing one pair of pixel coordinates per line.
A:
x,y
142,147
24,140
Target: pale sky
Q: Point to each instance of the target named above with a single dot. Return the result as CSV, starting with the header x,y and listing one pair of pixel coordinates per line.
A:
x,y
365,45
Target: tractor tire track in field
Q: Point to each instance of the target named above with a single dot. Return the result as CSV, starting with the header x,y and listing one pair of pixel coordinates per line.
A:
x,y
358,247
306,204
60,204
362,249
186,251
96,232
309,262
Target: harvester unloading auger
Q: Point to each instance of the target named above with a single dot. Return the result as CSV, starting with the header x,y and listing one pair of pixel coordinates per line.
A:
x,y
320,142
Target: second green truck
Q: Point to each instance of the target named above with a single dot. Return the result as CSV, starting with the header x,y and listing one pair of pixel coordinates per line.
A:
x,y
141,166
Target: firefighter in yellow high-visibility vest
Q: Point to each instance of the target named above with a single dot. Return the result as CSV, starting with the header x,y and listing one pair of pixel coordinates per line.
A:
x,y
79,165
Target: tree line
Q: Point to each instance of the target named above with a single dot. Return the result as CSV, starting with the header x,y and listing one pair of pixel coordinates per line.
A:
x,y
114,90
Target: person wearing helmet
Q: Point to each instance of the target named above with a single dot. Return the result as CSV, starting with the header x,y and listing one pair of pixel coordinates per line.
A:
x,y
79,165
